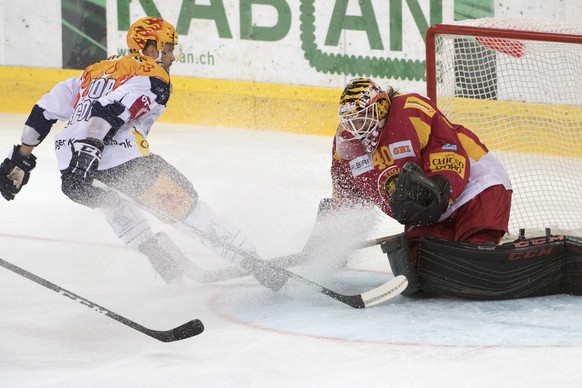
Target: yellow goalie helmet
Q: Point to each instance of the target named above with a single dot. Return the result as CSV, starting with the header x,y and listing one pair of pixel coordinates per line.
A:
x,y
363,107
151,29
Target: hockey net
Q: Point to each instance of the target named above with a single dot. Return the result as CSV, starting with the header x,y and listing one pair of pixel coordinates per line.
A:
x,y
518,85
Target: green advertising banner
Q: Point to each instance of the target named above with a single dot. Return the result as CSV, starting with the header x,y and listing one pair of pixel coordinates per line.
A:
x,y
303,42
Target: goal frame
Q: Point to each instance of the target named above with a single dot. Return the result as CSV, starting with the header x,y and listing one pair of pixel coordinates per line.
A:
x,y
450,29
500,35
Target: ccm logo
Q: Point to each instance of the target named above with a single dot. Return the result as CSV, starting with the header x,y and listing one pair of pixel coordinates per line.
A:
x,y
530,254
538,241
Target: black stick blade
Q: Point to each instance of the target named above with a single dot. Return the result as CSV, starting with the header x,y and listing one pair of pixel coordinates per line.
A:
x,y
187,330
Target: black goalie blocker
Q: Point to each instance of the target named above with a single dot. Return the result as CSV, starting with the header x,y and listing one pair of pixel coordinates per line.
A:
x,y
540,266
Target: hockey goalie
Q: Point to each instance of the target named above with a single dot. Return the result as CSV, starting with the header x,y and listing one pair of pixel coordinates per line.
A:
x,y
400,153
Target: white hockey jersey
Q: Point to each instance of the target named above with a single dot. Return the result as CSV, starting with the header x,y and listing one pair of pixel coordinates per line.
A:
x,y
136,84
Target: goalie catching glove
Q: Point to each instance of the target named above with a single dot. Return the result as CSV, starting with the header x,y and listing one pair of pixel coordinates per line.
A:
x,y
418,199
14,172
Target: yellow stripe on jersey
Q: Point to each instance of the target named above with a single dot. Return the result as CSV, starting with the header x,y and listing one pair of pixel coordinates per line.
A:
x,y
474,150
142,144
422,130
417,103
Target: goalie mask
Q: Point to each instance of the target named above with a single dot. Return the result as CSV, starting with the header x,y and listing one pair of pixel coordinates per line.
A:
x,y
363,109
151,29
346,146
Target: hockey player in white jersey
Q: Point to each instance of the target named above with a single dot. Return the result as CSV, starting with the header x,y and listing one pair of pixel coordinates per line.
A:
x,y
110,109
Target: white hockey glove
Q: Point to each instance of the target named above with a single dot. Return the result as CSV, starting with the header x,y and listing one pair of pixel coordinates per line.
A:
x,y
14,172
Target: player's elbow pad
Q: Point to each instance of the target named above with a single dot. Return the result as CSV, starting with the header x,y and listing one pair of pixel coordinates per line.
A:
x,y
37,127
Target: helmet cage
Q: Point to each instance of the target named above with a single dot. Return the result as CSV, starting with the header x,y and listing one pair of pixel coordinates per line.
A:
x,y
363,125
363,108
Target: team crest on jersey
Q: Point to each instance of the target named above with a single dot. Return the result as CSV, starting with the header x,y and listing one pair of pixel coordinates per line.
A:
x,y
387,183
401,149
361,164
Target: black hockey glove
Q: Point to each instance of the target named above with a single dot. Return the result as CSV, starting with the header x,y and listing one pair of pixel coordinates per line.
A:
x,y
14,172
418,199
86,158
77,178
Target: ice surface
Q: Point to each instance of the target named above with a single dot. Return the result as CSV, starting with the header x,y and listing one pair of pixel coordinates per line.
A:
x,y
269,184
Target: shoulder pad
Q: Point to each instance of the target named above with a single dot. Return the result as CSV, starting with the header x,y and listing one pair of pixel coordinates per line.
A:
x,y
161,89
144,66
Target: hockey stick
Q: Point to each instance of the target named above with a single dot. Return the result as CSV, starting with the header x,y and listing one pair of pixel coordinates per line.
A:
x,y
292,260
380,294
369,298
187,330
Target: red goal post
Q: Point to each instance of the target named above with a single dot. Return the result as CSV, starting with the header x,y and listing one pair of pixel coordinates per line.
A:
x,y
518,85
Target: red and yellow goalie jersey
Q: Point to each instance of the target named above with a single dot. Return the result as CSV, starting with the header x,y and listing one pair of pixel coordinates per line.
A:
x,y
415,130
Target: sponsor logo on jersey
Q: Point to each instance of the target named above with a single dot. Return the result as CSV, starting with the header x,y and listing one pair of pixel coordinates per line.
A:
x,y
64,143
401,149
448,161
361,165
125,143
140,106
450,147
417,103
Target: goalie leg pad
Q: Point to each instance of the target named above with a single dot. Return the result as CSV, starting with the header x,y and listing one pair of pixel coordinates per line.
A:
x,y
399,256
573,266
524,268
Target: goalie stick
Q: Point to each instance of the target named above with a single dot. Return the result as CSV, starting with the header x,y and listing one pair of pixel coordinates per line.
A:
x,y
369,298
187,330
292,260
380,294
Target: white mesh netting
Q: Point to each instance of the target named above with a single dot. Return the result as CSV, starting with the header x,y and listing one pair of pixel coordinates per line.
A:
x,y
523,98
